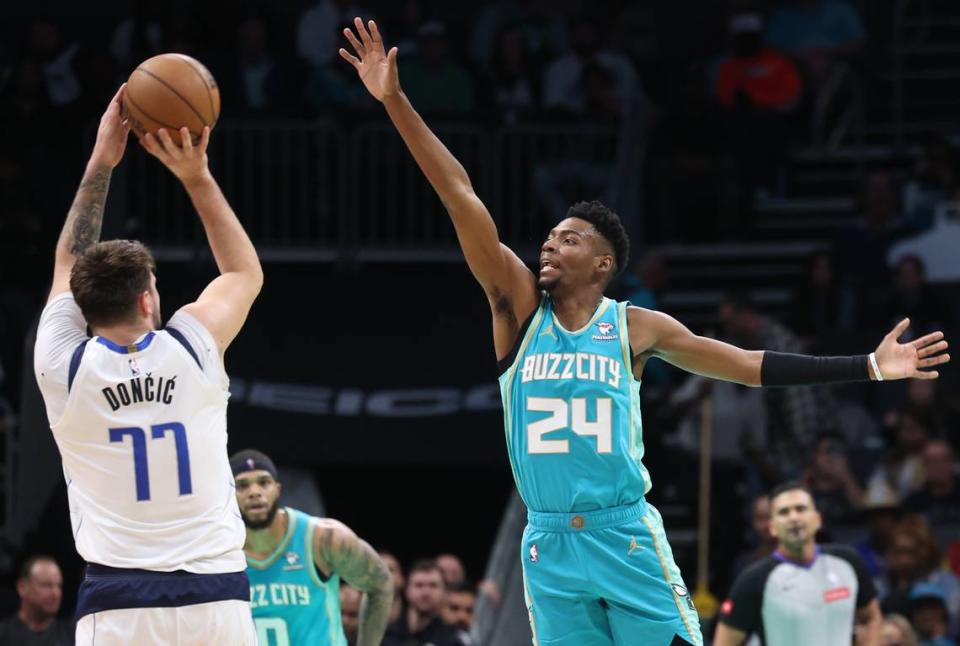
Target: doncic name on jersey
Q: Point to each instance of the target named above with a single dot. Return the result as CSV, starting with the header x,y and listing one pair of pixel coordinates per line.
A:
x,y
140,389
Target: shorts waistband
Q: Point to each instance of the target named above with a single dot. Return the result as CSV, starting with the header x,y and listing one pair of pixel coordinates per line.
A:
x,y
108,588
586,520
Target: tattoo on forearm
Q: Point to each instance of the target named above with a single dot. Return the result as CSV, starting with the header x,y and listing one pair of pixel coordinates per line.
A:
x,y
361,567
82,228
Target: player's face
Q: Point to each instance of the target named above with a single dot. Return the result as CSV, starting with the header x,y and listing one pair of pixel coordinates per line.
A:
x,y
425,591
571,255
795,520
258,496
458,609
43,590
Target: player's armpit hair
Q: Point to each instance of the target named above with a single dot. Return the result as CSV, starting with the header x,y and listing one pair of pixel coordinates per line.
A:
x,y
785,369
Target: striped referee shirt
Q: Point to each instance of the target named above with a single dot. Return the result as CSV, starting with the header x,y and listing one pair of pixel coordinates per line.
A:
x,y
789,604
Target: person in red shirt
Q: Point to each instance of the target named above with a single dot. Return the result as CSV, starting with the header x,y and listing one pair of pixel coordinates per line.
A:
x,y
759,74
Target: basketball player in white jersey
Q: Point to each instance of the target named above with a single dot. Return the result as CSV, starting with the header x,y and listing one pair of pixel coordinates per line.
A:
x,y
139,414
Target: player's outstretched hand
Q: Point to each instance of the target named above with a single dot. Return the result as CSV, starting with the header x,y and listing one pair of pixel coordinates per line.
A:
x,y
911,360
111,134
186,161
377,69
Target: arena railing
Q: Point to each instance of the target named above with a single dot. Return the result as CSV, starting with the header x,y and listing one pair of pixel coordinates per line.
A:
x,y
314,191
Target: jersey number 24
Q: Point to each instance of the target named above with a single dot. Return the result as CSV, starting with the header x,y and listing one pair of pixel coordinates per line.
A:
x,y
572,416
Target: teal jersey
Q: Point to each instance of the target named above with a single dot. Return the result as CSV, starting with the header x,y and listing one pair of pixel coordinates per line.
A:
x,y
571,411
292,605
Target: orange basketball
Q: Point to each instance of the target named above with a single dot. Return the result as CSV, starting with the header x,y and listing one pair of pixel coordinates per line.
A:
x,y
171,91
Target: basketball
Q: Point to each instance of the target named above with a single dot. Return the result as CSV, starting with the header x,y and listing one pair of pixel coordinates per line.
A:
x,y
171,91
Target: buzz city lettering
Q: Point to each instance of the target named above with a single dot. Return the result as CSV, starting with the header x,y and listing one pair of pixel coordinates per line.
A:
x,y
584,366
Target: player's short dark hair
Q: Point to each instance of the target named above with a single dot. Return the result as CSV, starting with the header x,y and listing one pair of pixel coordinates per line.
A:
x,y
108,278
424,565
26,568
793,485
466,585
609,225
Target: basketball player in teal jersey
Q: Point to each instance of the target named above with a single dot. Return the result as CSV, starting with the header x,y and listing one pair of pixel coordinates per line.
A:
x,y
295,563
598,569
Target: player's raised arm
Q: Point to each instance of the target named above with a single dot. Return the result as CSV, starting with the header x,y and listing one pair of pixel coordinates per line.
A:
x,y
657,334
224,304
509,284
337,549
82,227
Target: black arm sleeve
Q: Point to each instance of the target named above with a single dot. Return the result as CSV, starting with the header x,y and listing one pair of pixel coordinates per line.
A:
x,y
785,369
743,608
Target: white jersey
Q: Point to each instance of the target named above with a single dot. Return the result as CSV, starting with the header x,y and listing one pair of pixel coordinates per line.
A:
x,y
142,431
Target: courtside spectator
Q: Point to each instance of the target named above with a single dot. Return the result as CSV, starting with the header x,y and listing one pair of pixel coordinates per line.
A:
x,y
40,587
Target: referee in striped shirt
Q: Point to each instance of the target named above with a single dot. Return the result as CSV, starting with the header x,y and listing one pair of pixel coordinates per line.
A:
x,y
804,593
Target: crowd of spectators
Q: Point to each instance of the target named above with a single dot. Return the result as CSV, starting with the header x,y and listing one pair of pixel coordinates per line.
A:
x,y
881,463
433,604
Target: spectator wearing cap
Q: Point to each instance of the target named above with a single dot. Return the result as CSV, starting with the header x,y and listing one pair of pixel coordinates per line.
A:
x,y
881,511
755,74
432,79
928,613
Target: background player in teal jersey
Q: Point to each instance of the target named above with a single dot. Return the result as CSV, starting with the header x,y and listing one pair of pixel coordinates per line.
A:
x,y
597,567
295,563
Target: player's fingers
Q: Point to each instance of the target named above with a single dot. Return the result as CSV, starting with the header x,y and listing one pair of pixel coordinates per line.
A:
x,y
927,339
364,34
166,141
934,361
204,140
357,46
119,95
186,140
149,142
350,58
899,329
930,374
932,349
392,57
375,36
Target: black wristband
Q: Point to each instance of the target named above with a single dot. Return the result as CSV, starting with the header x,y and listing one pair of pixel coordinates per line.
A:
x,y
784,369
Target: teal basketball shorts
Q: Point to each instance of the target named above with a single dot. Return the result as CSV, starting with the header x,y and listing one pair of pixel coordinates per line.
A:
x,y
605,578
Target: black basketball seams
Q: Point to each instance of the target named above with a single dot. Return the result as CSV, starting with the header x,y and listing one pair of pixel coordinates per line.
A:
x,y
207,80
175,92
128,97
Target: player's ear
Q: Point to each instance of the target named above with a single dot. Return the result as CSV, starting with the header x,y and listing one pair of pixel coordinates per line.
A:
x,y
604,263
145,304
